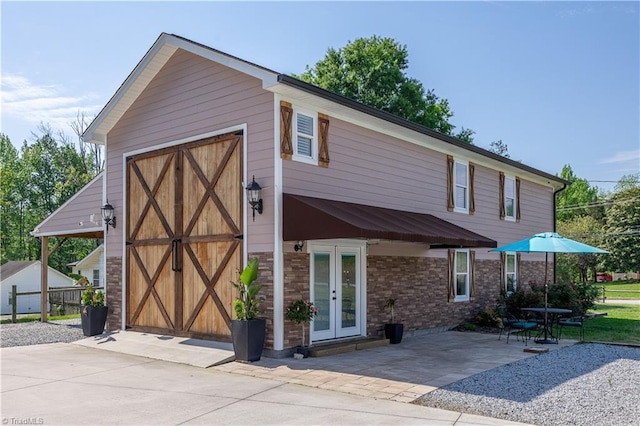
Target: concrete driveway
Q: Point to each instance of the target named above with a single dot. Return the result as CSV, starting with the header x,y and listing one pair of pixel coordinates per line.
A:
x,y
68,384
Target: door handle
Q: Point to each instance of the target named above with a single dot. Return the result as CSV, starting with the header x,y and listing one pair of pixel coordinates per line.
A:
x,y
175,255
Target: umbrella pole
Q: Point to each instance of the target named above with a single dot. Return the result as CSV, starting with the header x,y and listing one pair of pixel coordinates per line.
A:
x,y
546,323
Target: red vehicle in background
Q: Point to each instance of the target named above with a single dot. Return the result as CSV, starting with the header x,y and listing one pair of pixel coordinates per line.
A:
x,y
602,277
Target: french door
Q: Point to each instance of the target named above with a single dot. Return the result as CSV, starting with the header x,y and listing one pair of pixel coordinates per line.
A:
x,y
337,291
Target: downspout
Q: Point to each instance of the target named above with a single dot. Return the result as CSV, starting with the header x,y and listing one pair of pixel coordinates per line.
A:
x,y
555,193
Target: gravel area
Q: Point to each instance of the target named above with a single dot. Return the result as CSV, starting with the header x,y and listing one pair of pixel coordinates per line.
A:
x,y
36,333
584,384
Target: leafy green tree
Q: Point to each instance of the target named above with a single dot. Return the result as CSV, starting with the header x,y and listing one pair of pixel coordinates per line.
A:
x,y
500,148
372,71
578,199
12,189
622,230
577,267
35,182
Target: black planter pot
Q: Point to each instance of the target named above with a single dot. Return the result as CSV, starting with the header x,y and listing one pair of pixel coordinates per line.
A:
x,y
93,319
248,338
304,350
393,332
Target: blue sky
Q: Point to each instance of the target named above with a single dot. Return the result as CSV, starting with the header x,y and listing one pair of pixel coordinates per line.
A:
x,y
558,82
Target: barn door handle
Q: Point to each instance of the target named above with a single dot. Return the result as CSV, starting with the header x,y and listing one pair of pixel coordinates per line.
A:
x,y
175,255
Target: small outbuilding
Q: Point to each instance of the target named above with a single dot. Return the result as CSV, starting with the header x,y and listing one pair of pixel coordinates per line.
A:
x,y
27,277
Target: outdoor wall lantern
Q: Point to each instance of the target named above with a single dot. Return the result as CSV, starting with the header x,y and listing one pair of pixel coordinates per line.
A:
x,y
107,215
253,194
299,245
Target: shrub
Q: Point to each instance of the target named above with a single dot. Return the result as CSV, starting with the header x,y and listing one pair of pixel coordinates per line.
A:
x,y
90,297
577,297
488,317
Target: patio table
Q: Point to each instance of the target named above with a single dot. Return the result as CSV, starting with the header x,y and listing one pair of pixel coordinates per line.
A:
x,y
547,328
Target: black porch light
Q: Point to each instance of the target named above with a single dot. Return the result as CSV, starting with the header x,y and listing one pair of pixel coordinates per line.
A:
x,y
107,215
254,198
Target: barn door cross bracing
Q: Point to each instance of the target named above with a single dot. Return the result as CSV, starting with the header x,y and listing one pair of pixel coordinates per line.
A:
x,y
184,211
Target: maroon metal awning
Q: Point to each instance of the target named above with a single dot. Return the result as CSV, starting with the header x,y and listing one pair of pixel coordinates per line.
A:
x,y
307,218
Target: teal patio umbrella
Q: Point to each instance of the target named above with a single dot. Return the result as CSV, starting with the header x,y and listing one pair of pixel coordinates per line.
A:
x,y
548,242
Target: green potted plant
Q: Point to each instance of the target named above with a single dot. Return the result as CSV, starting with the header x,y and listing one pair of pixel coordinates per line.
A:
x,y
393,330
247,330
93,312
302,312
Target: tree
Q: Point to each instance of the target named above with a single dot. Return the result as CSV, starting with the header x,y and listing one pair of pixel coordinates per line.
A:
x,y
622,230
576,267
91,154
577,199
35,182
500,148
372,71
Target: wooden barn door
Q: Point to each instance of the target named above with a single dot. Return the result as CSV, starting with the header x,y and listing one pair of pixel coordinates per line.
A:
x,y
184,226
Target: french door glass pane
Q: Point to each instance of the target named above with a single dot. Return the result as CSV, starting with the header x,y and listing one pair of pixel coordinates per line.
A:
x,y
348,290
321,294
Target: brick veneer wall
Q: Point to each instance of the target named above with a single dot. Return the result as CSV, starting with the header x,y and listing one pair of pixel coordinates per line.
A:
x,y
534,271
419,284
296,286
420,288
114,293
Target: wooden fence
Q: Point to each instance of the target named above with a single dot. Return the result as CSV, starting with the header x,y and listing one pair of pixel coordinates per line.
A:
x,y
605,291
67,298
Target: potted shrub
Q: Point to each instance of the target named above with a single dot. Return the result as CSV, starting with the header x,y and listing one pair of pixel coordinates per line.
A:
x,y
393,331
302,312
247,330
93,312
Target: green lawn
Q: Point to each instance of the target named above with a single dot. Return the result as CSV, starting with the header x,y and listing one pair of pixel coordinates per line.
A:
x,y
617,286
622,325
32,318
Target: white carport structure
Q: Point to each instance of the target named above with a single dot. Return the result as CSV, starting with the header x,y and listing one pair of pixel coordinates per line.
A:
x,y
79,217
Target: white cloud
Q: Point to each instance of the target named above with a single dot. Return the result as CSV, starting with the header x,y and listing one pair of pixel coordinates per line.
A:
x,y
622,157
31,103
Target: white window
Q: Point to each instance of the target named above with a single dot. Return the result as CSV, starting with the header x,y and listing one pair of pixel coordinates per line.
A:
x,y
305,144
461,268
461,186
509,198
510,272
96,278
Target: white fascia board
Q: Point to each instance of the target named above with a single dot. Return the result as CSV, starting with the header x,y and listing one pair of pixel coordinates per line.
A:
x,y
344,113
129,91
149,66
67,232
268,77
35,232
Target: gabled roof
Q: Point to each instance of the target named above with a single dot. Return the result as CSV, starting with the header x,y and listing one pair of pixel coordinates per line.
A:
x,y
149,66
95,253
329,102
12,267
73,218
15,267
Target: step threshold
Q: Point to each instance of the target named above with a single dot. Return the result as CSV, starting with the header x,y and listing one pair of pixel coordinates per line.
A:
x,y
334,348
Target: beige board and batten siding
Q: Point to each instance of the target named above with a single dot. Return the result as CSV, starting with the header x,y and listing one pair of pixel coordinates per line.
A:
x,y
192,96
371,168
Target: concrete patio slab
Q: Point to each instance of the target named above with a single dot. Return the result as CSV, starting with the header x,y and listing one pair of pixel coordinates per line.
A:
x,y
183,350
101,387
